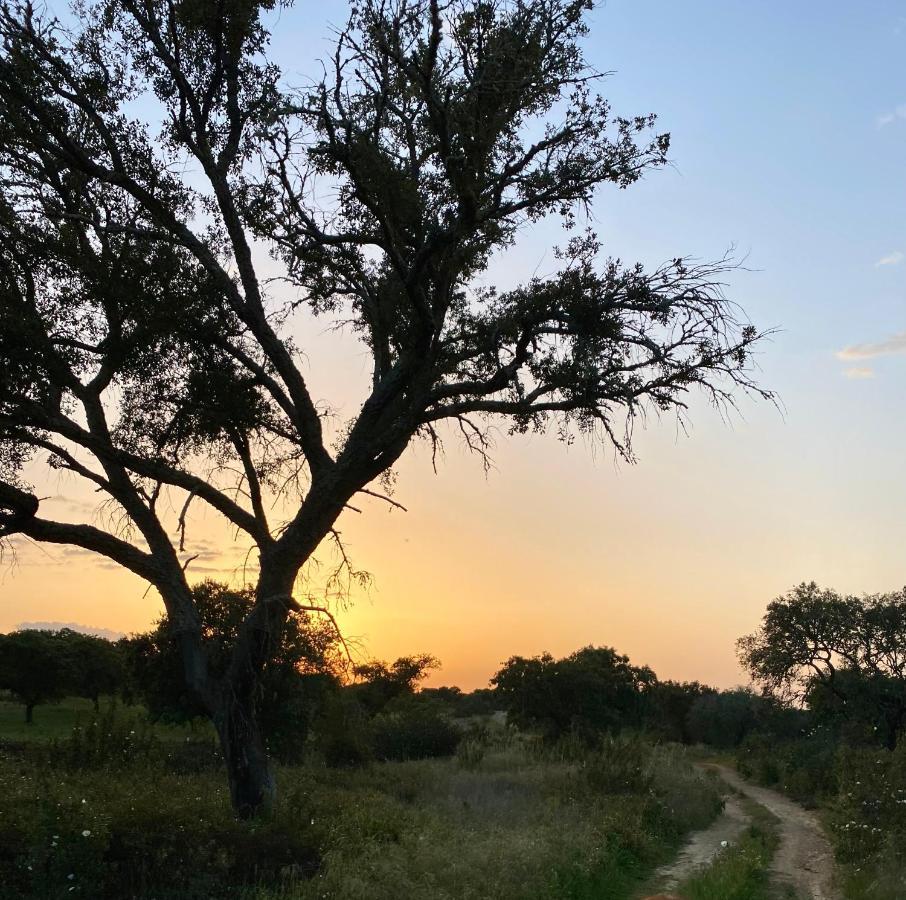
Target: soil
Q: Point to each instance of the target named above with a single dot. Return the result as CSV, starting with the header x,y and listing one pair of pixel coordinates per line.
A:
x,y
804,859
704,845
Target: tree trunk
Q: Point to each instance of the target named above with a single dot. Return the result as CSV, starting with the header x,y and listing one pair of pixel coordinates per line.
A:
x,y
29,713
252,785
97,703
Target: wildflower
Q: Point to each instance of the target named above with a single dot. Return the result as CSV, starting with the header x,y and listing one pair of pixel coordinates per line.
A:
x,y
71,876
86,833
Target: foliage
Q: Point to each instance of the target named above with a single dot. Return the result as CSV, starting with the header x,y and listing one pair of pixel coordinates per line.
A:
x,y
723,719
145,148
667,708
594,689
869,812
843,655
140,832
92,665
519,825
342,731
414,728
304,668
806,768
35,667
741,872
378,683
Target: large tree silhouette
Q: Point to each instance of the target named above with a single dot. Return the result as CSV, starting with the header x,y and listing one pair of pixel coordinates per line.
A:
x,y
147,147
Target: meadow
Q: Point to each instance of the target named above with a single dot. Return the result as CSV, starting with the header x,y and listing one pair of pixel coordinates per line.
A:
x,y
116,808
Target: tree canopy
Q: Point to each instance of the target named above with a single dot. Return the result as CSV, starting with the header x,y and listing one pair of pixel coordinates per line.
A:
x,y
148,146
594,689
843,655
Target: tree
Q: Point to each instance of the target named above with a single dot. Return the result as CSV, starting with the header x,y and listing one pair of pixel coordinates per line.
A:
x,y
144,352
723,718
307,661
594,689
95,665
844,656
377,683
33,668
667,708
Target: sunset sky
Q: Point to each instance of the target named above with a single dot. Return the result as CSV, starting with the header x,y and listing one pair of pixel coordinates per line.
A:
x,y
789,142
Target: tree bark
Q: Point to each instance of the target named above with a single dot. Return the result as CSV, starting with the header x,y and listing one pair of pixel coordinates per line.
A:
x,y
253,788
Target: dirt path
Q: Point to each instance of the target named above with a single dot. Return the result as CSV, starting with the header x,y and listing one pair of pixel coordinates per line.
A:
x,y
704,845
804,859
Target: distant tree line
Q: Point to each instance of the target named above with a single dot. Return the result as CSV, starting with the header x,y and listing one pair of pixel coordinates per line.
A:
x,y
44,666
310,689
822,662
597,691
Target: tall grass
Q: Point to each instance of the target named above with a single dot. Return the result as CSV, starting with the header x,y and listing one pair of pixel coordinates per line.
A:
x,y
505,820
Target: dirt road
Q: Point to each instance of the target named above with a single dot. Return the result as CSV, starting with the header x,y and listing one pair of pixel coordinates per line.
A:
x,y
704,845
804,859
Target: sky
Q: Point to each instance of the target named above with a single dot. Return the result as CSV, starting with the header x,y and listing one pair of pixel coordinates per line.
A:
x,y
788,124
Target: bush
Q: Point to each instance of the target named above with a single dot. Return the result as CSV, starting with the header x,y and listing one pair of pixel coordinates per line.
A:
x,y
413,730
108,740
805,768
140,833
619,766
342,732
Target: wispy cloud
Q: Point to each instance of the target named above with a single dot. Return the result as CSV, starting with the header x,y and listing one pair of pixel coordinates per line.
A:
x,y
857,373
898,112
891,259
894,344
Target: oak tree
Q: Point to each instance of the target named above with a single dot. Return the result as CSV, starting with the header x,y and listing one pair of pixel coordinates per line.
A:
x,y
150,148
843,656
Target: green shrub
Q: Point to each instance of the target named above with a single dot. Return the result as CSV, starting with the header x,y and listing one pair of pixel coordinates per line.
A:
x,y
619,766
413,730
471,752
139,833
343,732
805,768
740,873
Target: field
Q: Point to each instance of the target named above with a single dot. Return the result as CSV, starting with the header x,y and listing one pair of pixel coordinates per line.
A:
x,y
117,809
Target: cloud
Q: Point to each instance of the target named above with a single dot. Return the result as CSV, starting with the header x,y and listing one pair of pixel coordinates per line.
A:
x,y
859,372
898,112
890,260
894,344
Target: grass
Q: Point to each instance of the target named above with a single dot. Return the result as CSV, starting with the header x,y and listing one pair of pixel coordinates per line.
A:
x,y
509,823
53,721
741,872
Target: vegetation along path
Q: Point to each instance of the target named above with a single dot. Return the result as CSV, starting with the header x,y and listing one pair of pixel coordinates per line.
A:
x,y
704,845
804,859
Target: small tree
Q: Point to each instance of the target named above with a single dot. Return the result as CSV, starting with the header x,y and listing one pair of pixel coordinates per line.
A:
x,y
34,668
594,689
144,353
667,708
724,718
843,655
377,683
95,665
